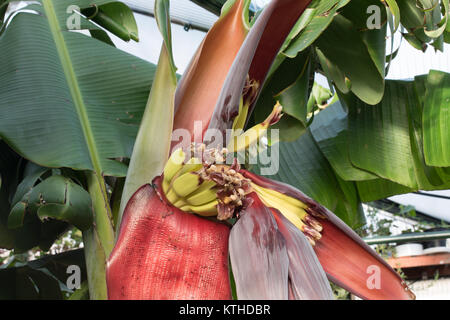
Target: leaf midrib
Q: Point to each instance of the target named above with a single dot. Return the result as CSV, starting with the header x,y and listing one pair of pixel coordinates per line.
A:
x,y
72,82
102,218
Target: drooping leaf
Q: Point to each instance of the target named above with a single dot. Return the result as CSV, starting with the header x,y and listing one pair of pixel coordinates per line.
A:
x,y
435,23
333,73
343,45
424,22
15,173
31,175
392,128
294,98
376,189
116,17
56,197
383,128
374,39
436,119
330,130
324,12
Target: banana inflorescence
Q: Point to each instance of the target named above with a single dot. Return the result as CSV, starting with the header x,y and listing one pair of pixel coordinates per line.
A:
x,y
204,185
200,182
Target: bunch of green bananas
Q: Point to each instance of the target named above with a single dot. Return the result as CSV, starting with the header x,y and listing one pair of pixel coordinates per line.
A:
x,y
184,187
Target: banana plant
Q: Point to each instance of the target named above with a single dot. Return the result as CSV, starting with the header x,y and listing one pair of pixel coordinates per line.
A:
x,y
177,222
177,231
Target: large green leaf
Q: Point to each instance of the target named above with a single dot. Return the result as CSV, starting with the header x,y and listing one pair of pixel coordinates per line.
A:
x,y
63,109
379,139
386,139
312,23
71,101
373,39
347,48
424,22
329,129
370,190
436,119
428,177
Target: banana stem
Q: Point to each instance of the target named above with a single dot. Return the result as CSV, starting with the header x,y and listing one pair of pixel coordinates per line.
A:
x,y
99,239
95,265
102,212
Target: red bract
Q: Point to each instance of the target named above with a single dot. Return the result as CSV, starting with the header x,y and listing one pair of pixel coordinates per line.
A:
x,y
258,254
165,253
201,84
272,259
345,257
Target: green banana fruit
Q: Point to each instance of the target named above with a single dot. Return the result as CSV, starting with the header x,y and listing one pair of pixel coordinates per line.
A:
x,y
186,184
174,164
208,209
201,197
